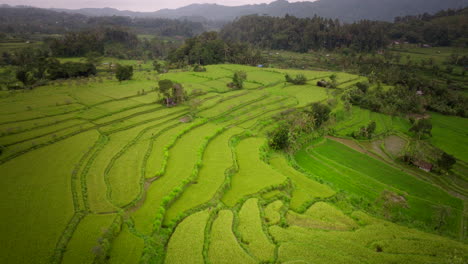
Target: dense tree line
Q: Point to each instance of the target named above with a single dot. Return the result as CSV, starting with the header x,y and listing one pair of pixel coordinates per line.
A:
x,y
304,34
110,41
445,28
209,48
34,67
76,44
417,87
297,126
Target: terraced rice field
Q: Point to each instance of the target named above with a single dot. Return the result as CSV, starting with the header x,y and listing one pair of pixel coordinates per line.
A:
x,y
449,133
342,167
96,171
359,117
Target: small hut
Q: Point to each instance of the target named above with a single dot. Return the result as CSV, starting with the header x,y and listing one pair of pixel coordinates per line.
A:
x,y
425,166
322,83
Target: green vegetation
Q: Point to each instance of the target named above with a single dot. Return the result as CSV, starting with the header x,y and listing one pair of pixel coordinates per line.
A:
x,y
126,248
175,167
123,73
305,188
341,166
449,133
252,234
186,244
272,214
223,246
37,213
86,237
374,241
322,216
253,175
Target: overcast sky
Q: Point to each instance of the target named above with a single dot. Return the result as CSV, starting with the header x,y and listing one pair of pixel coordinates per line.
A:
x,y
135,5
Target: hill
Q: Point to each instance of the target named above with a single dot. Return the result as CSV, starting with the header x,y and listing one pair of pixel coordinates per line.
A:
x,y
37,20
345,10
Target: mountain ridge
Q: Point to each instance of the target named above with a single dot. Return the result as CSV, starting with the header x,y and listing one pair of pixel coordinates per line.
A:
x,y
345,10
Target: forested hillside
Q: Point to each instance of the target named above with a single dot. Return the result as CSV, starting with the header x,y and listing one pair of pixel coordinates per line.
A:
x,y
302,34
345,10
36,20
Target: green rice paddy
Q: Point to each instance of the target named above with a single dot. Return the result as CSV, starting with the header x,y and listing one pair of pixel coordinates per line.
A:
x,y
93,169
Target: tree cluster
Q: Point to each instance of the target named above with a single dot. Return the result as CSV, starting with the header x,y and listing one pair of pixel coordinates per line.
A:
x,y
238,80
173,93
300,79
208,48
21,20
445,28
304,34
123,73
100,40
296,126
422,127
35,66
365,132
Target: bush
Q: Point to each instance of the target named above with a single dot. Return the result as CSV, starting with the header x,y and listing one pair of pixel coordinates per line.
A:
x,y
299,80
160,67
124,72
279,138
238,80
422,127
199,68
445,162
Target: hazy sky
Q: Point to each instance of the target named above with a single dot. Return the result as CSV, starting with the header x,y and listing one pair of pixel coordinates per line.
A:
x,y
136,5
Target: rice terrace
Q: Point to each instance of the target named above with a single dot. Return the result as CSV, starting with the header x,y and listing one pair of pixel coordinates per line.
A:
x,y
223,148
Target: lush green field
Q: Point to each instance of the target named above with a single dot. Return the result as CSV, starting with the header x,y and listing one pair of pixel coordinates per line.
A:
x,y
359,117
365,177
450,133
96,170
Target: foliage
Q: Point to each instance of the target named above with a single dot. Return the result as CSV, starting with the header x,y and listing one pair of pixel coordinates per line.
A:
x,y
304,34
23,20
365,132
199,68
422,127
174,93
123,73
36,67
93,58
238,80
208,48
159,66
446,161
299,80
309,33
320,113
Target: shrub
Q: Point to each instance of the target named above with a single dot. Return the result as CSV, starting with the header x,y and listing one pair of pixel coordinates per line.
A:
x,y
199,68
238,80
124,72
299,80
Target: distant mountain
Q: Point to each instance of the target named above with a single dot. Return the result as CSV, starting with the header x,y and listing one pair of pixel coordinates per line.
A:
x,y
37,20
106,11
345,10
